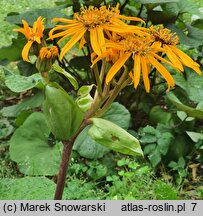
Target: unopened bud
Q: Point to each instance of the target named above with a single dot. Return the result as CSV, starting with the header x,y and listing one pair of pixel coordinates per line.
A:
x,y
46,58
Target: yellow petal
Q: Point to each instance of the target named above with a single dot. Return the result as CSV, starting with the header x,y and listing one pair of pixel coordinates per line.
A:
x,y
114,45
38,26
117,66
131,18
37,39
25,51
82,42
118,22
94,41
126,29
65,33
164,60
25,30
26,27
162,70
119,29
186,60
62,20
101,40
137,70
103,55
71,32
173,58
21,30
156,45
76,37
197,69
145,73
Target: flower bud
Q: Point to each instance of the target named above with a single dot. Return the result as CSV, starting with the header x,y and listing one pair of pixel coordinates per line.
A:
x,y
46,58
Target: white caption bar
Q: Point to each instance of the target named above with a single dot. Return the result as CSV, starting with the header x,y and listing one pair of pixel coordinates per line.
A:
x,y
101,207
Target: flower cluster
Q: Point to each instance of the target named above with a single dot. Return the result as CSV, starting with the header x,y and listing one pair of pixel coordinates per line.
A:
x,y
136,48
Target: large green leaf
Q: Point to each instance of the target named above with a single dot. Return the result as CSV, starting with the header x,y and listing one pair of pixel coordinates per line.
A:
x,y
192,84
31,16
183,38
27,104
13,51
62,113
198,23
26,68
119,115
89,148
195,33
114,137
197,113
29,147
186,6
18,83
158,115
28,188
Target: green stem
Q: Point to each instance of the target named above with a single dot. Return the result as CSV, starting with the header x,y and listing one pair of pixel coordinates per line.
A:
x,y
102,72
122,82
45,76
98,81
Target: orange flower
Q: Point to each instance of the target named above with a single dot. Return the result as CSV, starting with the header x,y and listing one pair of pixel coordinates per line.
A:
x,y
168,41
143,54
95,22
34,34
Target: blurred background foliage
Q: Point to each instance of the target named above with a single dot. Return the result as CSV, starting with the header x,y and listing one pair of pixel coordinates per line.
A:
x,y
169,125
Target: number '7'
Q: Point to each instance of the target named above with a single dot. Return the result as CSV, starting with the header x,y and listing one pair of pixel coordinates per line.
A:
x,y
194,205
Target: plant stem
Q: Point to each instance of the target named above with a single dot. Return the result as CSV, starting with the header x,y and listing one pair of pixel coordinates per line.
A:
x,y
140,11
67,149
122,82
123,6
102,72
98,81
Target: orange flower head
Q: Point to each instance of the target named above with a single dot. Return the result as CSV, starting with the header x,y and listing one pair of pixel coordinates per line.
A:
x,y
144,55
163,35
95,22
164,38
34,34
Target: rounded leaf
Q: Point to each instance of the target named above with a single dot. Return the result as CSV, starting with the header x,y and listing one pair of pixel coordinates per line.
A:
x,y
87,147
29,147
62,113
112,136
118,114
